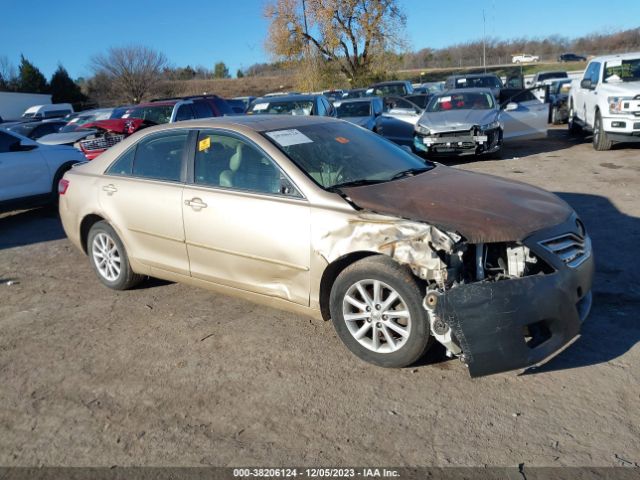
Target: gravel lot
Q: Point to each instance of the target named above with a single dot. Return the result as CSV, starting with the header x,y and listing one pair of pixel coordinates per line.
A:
x,y
172,375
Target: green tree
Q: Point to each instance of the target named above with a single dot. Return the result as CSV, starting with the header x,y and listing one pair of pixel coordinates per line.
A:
x,y
64,89
220,70
239,73
30,79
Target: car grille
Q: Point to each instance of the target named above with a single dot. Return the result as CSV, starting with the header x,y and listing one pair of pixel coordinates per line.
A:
x,y
460,133
570,247
101,143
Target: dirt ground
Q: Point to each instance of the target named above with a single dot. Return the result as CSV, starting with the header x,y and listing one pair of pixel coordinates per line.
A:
x,y
172,375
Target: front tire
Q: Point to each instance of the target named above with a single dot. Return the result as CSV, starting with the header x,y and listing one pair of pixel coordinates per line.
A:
x,y
601,140
377,312
109,258
574,128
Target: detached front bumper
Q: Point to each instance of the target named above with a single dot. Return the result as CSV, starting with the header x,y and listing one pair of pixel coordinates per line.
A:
x,y
470,142
511,324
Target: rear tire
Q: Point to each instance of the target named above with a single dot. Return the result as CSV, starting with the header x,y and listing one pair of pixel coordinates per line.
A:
x,y
376,309
109,258
601,140
554,116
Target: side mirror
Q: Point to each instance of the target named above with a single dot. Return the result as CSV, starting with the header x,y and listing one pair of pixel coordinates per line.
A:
x,y
18,146
510,107
586,83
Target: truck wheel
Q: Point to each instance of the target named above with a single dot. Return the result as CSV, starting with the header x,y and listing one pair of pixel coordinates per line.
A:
x,y
601,141
377,312
574,128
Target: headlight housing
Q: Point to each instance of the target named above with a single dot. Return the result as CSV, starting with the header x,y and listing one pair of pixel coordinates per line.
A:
x,y
490,126
615,104
422,130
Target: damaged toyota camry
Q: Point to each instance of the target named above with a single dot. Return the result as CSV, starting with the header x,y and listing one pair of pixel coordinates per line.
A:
x,y
319,216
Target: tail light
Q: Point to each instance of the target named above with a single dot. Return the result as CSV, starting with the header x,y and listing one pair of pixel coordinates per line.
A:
x,y
63,185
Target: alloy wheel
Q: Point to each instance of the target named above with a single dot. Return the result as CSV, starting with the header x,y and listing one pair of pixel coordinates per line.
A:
x,y
376,316
106,256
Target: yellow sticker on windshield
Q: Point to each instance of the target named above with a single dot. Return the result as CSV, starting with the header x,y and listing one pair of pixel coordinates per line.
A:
x,y
204,144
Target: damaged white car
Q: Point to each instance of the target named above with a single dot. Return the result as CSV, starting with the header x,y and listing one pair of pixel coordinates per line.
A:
x,y
322,217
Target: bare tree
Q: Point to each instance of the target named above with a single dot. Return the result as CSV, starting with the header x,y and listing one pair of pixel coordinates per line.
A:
x,y
133,70
8,73
349,34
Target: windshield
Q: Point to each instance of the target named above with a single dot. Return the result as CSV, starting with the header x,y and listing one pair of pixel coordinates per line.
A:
x,y
341,154
28,115
155,113
622,70
548,75
283,107
353,109
461,101
478,82
393,89
560,87
23,130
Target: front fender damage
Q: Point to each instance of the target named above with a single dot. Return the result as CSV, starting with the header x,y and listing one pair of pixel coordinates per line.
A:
x,y
497,306
426,249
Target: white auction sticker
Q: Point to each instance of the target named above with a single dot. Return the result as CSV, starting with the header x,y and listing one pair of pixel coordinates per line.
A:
x,y
286,138
444,99
260,106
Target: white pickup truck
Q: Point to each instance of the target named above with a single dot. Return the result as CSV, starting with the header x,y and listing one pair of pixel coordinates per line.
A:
x,y
607,100
524,58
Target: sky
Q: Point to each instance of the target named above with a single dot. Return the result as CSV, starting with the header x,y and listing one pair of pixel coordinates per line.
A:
x,y
203,32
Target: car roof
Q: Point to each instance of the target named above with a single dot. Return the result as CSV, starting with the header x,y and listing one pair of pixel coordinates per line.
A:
x,y
257,123
473,75
621,56
390,82
159,103
356,100
465,90
288,98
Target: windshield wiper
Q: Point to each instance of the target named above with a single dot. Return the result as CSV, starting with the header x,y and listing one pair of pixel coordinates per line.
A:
x,y
355,183
409,173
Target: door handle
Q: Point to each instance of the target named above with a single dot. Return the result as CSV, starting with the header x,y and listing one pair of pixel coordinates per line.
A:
x,y
195,203
110,189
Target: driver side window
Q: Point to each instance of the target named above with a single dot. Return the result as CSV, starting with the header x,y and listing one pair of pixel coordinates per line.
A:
x,y
229,162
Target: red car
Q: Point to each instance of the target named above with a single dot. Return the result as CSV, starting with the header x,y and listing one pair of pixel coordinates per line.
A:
x,y
147,114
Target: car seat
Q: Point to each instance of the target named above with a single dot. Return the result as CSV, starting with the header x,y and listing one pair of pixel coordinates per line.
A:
x,y
227,176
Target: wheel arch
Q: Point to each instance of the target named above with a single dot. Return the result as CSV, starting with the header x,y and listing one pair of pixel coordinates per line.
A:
x,y
331,273
85,225
59,173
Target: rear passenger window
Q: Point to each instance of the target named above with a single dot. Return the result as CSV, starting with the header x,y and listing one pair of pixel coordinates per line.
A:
x,y
124,164
202,110
160,157
184,113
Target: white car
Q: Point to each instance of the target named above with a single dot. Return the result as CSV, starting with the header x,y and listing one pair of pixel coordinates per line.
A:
x,y
524,58
29,171
607,100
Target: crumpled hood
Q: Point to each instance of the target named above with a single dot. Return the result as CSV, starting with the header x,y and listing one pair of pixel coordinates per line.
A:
x,y
480,207
457,119
117,125
65,138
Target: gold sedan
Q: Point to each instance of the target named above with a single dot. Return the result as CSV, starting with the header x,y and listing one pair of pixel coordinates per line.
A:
x,y
322,217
